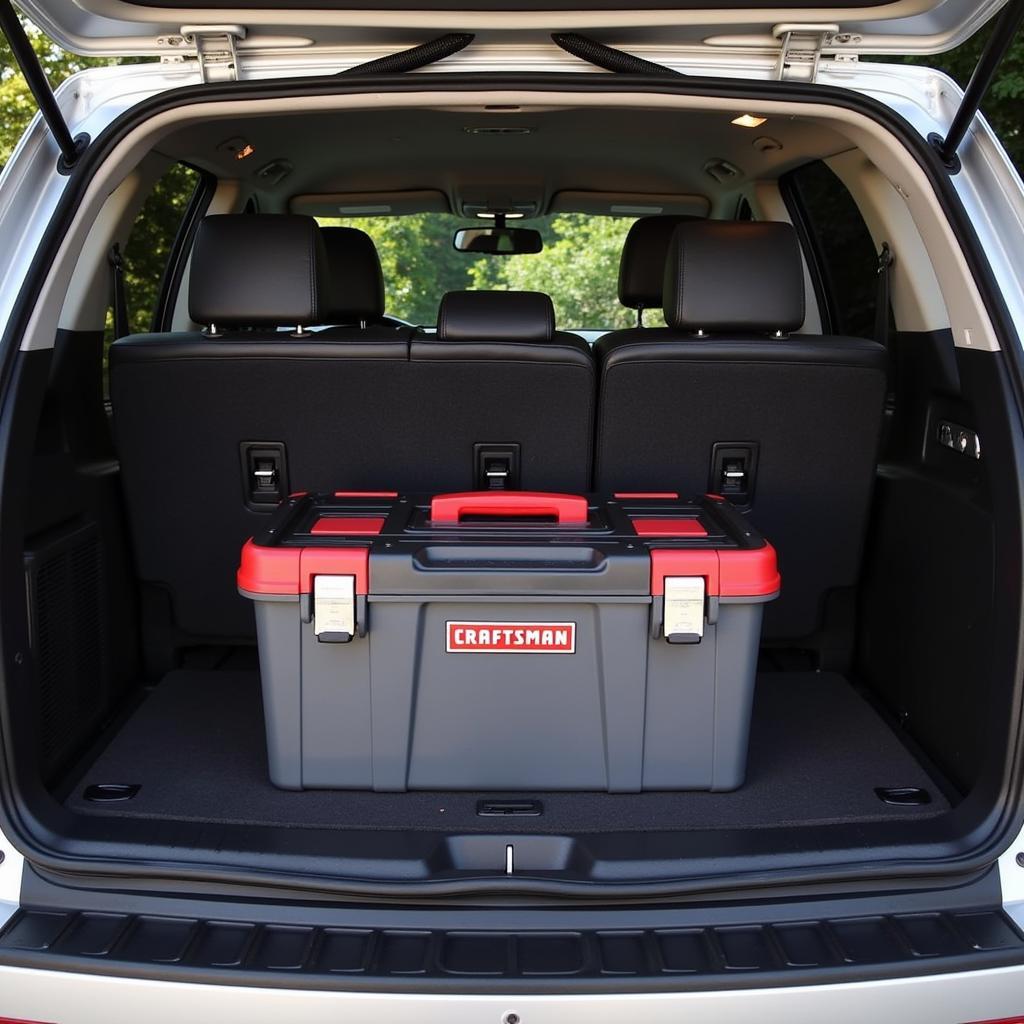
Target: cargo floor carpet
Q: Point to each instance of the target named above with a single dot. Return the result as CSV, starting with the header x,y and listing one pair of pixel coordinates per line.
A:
x,y
196,748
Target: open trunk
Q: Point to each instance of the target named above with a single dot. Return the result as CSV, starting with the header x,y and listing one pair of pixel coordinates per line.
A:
x,y
883,738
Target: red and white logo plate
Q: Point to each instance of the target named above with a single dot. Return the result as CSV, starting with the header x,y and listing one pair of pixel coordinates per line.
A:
x,y
510,637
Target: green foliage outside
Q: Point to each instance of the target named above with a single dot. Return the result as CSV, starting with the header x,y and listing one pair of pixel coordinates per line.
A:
x,y
578,267
146,253
1002,105
17,107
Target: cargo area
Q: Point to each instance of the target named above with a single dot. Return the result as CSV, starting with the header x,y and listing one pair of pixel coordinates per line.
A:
x,y
819,754
351,558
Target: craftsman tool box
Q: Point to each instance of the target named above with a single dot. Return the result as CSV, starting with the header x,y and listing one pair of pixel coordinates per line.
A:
x,y
508,640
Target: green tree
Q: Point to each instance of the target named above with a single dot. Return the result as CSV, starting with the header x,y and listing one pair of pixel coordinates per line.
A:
x,y
579,269
148,246
417,258
17,107
1002,105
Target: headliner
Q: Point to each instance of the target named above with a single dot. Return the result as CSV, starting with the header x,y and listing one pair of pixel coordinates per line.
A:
x,y
588,149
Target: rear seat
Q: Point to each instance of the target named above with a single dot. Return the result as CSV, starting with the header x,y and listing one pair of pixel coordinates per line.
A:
x,y
802,414
355,282
498,387
363,405
188,407
642,264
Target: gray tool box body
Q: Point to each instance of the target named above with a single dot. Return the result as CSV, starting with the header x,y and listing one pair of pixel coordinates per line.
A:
x,y
569,644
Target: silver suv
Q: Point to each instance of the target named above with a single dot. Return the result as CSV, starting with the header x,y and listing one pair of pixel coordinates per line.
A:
x,y
505,715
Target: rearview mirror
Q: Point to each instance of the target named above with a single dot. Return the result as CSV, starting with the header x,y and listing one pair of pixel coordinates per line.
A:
x,y
499,241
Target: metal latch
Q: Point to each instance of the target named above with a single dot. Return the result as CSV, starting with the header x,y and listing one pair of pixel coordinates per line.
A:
x,y
216,48
684,609
265,475
497,472
496,467
734,475
734,471
960,439
334,608
802,48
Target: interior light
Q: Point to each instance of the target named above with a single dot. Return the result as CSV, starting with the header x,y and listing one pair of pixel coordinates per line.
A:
x,y
246,150
507,216
749,121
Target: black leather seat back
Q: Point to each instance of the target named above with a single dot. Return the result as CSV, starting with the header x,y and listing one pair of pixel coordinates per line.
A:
x,y
498,374
186,406
727,372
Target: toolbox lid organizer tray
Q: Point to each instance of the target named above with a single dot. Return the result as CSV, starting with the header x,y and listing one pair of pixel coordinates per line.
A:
x,y
508,640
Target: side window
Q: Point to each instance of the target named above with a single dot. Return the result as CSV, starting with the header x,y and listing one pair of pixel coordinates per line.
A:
x,y
844,260
150,244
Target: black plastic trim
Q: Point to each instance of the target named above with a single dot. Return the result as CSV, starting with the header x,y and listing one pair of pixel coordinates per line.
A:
x,y
608,57
416,57
985,825
692,954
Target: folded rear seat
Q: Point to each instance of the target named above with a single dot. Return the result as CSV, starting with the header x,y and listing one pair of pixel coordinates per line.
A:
x,y
500,391
198,414
727,400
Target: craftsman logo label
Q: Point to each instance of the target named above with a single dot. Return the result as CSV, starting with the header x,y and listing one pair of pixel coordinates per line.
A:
x,y
511,637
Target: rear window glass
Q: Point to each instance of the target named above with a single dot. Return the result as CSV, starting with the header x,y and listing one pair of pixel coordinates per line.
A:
x,y
149,244
846,255
578,267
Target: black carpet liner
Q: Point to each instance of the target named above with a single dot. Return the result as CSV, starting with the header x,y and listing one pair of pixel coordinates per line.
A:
x,y
196,747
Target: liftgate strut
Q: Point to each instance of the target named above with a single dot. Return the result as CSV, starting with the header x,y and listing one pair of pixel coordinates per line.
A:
x,y
70,148
1006,27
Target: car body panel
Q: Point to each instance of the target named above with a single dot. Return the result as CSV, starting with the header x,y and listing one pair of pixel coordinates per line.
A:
x,y
70,998
129,26
30,189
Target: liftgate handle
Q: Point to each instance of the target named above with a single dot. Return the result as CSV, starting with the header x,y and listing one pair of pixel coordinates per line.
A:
x,y
566,508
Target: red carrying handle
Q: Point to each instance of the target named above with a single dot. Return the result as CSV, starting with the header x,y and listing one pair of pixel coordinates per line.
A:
x,y
566,508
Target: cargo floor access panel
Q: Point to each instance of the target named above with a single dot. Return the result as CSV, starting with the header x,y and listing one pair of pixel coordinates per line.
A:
x,y
508,640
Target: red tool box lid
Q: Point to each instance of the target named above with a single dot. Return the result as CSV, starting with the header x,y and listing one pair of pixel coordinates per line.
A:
x,y
320,534
729,573
287,571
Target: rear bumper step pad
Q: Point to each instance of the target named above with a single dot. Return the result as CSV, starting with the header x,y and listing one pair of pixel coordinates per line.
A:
x,y
290,955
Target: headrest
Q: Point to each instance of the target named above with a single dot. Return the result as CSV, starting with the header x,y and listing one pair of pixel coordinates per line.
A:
x,y
738,276
642,264
355,283
257,270
496,316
